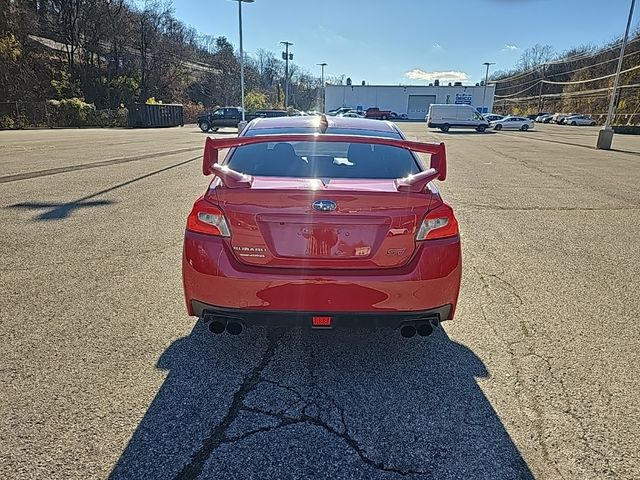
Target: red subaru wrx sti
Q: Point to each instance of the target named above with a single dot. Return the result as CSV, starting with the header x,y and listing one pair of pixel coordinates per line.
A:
x,y
322,222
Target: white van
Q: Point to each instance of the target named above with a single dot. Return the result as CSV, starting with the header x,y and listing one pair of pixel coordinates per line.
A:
x,y
446,116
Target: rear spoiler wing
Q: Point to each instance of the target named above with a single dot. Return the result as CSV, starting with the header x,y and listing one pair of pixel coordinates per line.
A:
x,y
412,183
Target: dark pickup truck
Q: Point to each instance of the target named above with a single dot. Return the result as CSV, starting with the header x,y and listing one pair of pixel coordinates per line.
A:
x,y
231,116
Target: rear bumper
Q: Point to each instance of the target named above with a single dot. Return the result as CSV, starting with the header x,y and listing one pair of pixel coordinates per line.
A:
x,y
303,319
214,280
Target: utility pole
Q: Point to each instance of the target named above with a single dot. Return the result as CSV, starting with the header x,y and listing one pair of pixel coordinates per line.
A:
x,y
605,136
286,57
486,79
540,104
240,2
322,65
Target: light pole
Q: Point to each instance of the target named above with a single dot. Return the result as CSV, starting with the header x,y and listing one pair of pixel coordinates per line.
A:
x,y
322,65
486,79
605,136
286,57
240,2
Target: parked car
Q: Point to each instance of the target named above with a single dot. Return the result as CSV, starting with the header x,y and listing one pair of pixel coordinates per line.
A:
x,y
231,116
513,123
446,116
375,112
491,117
559,118
338,111
580,120
544,118
365,239
352,114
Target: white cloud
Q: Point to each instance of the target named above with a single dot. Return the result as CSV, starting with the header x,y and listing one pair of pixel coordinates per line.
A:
x,y
511,47
448,76
436,46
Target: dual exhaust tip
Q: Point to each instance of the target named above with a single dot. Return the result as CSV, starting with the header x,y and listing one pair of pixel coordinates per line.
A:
x,y
218,324
424,328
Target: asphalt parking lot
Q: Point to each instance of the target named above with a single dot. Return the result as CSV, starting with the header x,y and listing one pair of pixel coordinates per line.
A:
x,y
103,375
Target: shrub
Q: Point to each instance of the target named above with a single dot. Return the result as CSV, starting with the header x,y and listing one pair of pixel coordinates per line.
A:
x,y
255,100
192,111
6,122
71,112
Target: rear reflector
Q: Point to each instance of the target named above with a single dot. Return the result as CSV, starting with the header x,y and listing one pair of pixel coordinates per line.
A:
x,y
321,321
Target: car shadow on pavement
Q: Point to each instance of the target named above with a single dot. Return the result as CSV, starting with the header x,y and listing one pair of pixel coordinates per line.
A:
x,y
320,404
60,211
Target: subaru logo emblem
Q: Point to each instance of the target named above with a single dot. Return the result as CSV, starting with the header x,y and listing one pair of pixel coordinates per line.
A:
x,y
324,205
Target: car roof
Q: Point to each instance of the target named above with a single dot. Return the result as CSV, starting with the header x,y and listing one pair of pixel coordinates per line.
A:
x,y
334,122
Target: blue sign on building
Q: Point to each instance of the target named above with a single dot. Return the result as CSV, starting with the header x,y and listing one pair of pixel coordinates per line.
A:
x,y
463,99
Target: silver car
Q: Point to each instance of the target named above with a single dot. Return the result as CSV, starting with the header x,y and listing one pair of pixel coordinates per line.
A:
x,y
512,123
580,120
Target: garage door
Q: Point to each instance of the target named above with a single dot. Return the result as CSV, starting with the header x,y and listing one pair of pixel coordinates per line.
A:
x,y
419,106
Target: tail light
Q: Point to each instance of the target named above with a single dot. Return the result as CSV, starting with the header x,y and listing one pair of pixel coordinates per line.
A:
x,y
208,219
438,223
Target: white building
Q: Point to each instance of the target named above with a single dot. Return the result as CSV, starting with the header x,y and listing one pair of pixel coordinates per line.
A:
x,y
412,101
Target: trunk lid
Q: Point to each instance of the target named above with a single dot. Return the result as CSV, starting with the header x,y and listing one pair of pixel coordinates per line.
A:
x,y
307,223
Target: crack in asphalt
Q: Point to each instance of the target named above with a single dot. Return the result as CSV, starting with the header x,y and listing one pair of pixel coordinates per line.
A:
x,y
513,359
570,411
314,405
317,421
193,469
534,405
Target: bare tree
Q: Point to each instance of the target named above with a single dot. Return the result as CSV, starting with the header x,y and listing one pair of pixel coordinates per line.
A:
x,y
535,56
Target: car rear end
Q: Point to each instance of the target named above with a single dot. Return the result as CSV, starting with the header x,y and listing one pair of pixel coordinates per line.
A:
x,y
322,231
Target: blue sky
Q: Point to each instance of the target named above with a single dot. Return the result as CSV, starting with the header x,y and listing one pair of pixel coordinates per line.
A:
x,y
381,41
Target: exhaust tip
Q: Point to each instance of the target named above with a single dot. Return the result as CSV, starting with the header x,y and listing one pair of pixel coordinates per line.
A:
x,y
234,328
424,329
407,331
216,326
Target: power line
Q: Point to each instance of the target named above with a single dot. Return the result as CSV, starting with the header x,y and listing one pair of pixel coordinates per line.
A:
x,y
574,58
615,59
591,79
569,94
518,93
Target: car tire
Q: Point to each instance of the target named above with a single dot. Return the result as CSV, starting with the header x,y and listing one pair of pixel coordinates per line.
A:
x,y
573,124
384,117
524,128
445,127
204,126
592,124
481,128
498,127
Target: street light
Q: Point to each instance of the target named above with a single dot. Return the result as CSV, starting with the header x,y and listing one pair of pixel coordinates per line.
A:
x,y
240,2
605,136
322,65
486,79
286,56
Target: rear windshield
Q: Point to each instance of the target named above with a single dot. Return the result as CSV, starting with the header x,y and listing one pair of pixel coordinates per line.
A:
x,y
323,160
